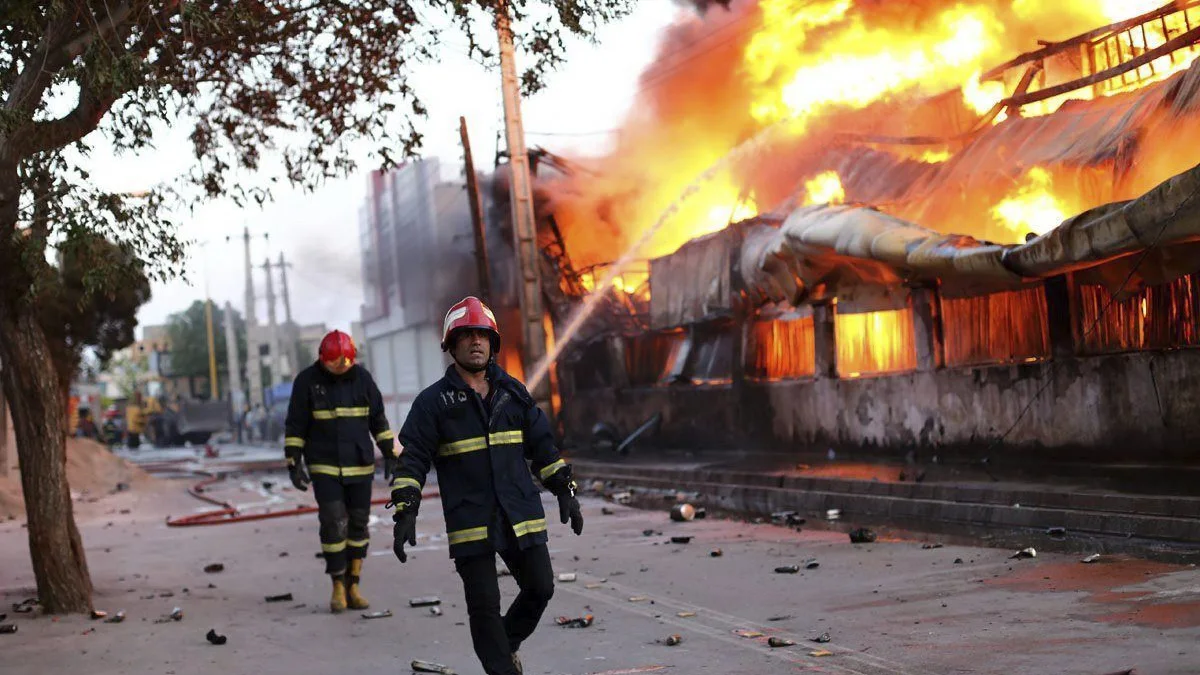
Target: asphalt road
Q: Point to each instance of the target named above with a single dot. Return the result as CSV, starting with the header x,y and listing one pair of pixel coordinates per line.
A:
x,y
889,607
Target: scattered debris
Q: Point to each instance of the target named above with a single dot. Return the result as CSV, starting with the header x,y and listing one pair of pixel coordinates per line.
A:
x,y
680,540
286,597
175,615
566,577
650,533
748,633
25,606
381,614
1095,557
623,497
716,553
811,564
685,615
1024,553
1058,532
268,484
822,638
787,569
429,667
606,511
283,554
592,586
774,641
682,513
214,638
425,602
862,536
820,652
673,640
435,611
166,594
578,622
933,545
116,618
121,487
98,614
638,598
958,561
783,516
781,617
8,628
833,514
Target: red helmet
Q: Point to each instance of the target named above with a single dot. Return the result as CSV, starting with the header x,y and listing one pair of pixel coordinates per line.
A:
x,y
336,346
470,312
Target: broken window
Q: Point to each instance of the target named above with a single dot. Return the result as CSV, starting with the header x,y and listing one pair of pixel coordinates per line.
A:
x,y
781,349
1006,327
591,370
875,342
651,357
712,355
1157,317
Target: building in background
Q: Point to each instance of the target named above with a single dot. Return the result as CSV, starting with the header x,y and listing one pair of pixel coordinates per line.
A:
x,y
417,246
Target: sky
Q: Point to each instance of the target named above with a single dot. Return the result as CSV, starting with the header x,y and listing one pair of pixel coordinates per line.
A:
x,y
318,232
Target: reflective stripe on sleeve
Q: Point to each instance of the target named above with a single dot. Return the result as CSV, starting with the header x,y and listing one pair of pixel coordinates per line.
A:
x,y
334,548
529,527
551,469
465,536
405,481
384,435
293,442
462,447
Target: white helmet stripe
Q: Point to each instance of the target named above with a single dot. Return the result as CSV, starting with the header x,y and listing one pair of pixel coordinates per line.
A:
x,y
452,316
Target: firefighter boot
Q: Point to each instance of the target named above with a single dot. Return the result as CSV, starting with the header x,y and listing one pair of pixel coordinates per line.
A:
x,y
354,599
337,602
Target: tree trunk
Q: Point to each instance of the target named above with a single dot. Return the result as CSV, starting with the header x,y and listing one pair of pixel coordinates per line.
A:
x,y
4,449
39,416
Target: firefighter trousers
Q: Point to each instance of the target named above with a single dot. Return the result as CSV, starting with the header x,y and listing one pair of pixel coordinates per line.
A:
x,y
343,509
496,638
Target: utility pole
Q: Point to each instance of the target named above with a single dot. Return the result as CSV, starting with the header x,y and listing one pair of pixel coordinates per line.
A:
x,y
213,389
231,360
273,326
521,198
293,331
481,256
253,364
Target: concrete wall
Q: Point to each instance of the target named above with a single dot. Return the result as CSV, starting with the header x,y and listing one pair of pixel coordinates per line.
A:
x,y
1128,407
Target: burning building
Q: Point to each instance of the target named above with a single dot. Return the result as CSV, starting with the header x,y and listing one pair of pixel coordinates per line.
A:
x,y
837,223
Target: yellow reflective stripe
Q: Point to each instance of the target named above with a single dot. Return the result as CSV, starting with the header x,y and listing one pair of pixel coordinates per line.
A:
x,y
293,442
464,536
463,446
504,437
341,412
357,543
551,469
331,470
530,526
405,482
384,435
334,548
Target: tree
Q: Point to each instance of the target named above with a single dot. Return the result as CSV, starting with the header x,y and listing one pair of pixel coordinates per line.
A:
x,y
127,370
187,332
280,86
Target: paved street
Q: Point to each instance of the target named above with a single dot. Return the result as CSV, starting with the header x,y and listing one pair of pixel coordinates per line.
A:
x,y
889,607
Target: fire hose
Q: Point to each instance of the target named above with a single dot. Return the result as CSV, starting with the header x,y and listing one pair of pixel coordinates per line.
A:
x,y
228,513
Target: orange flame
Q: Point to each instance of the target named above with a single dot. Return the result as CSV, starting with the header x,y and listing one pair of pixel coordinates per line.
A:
x,y
1032,207
825,188
875,342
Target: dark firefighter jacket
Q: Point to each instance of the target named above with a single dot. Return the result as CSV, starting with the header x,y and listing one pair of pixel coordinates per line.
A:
x,y
488,495
332,420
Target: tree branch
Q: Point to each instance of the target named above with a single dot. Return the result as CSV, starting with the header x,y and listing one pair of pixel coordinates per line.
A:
x,y
70,127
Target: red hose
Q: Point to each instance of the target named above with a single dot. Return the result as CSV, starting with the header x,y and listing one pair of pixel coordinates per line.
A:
x,y
228,513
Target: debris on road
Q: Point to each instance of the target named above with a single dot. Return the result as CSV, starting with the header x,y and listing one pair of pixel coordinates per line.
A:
x,y
820,652
25,606
650,533
680,540
833,514
748,633
381,614
682,513
811,564
716,553
781,517
606,511
1095,557
934,545
435,611
958,561
781,617
638,598
214,638
592,586
1056,532
774,641
566,577
787,569
822,638
673,640
425,602
862,536
623,497
685,615
8,628
98,614
286,597
578,622
1023,554
175,615
430,667
116,618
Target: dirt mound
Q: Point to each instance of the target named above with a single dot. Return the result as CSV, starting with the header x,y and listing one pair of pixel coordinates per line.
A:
x,y
92,471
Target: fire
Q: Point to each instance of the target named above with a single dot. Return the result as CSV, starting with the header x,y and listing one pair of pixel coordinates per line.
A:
x,y
825,188
935,156
1032,207
875,342
982,96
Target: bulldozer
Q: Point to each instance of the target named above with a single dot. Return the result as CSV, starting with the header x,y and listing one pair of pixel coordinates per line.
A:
x,y
183,421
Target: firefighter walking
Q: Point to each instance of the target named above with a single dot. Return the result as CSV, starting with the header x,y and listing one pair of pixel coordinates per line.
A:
x,y
334,414
479,427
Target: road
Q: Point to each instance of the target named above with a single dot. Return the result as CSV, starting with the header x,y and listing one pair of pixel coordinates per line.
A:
x,y
890,607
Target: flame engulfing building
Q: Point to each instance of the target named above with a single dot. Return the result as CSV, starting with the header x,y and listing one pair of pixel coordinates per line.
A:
x,y
918,279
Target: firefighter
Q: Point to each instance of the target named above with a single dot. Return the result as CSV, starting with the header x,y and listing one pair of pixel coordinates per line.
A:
x,y
135,421
479,426
334,413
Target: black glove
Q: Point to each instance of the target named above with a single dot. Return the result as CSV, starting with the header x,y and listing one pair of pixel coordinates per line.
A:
x,y
407,502
568,509
298,475
390,464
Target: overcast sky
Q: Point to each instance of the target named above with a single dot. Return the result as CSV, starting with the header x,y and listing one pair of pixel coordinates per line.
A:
x,y
318,232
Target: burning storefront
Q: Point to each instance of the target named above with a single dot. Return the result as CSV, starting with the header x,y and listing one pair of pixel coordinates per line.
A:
x,y
883,263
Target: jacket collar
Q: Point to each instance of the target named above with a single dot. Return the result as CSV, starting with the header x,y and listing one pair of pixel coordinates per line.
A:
x,y
496,376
